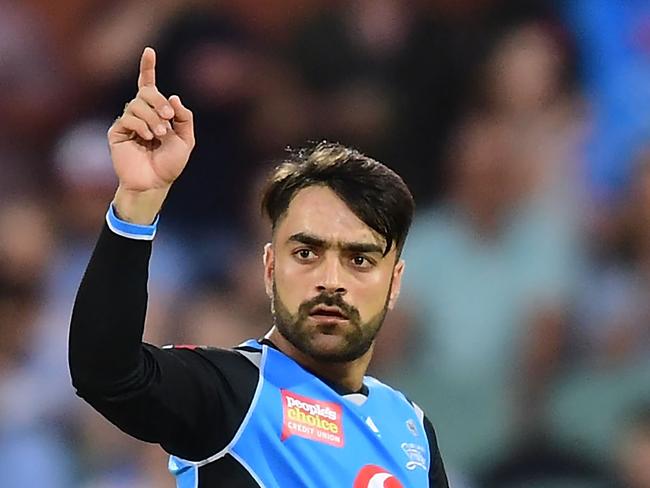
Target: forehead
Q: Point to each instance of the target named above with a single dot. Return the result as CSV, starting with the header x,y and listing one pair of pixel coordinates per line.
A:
x,y
318,211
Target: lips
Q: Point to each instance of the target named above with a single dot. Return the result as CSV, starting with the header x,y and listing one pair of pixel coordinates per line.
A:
x,y
324,311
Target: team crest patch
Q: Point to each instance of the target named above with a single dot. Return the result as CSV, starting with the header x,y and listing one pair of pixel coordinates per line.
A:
x,y
415,454
312,419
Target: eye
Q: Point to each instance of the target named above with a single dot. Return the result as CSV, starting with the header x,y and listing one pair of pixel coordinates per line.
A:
x,y
304,254
360,261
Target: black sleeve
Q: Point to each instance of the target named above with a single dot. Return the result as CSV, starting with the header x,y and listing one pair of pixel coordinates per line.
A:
x,y
437,474
187,400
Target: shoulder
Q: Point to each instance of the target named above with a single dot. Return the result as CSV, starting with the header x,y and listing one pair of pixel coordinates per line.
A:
x,y
437,472
377,385
221,358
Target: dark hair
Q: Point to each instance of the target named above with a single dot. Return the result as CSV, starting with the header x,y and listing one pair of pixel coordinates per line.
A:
x,y
374,192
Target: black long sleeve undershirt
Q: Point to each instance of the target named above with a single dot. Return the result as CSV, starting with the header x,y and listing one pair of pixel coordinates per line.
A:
x,y
109,314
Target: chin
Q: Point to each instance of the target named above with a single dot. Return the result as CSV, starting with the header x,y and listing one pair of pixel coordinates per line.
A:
x,y
331,348
328,345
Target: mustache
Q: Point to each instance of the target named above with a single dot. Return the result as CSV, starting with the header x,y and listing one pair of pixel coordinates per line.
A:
x,y
329,300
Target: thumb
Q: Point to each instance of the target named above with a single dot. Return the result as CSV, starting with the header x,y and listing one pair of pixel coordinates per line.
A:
x,y
183,122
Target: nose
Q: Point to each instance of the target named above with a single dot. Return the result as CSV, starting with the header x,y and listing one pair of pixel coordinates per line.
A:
x,y
330,277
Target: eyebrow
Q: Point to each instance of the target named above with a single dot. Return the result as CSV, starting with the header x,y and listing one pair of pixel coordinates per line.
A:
x,y
315,241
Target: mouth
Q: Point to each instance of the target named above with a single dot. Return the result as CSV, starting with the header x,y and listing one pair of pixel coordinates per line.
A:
x,y
324,313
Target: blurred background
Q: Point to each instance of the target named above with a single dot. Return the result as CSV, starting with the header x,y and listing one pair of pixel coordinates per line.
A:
x,y
522,128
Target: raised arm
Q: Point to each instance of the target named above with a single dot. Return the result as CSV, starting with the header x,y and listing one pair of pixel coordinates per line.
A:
x,y
164,396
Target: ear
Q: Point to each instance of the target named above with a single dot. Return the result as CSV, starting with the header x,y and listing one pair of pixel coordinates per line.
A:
x,y
269,262
396,286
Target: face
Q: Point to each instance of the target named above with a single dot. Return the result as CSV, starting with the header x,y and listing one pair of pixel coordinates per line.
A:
x,y
328,280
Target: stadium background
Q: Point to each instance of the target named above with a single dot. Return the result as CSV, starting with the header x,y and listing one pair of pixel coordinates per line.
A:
x,y
522,128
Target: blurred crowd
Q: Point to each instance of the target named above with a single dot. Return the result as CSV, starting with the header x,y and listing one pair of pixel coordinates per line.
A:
x,y
522,128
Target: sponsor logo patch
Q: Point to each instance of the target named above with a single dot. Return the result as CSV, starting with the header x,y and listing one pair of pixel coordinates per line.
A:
x,y
311,419
372,476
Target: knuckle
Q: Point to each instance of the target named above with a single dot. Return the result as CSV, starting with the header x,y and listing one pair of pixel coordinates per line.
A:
x,y
159,98
136,104
132,106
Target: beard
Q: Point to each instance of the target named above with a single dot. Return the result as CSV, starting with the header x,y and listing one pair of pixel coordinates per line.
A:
x,y
355,339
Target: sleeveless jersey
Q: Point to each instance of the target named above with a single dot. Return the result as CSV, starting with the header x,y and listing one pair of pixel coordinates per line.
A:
x,y
299,432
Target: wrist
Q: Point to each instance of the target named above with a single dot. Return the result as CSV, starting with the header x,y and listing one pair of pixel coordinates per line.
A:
x,y
129,230
139,207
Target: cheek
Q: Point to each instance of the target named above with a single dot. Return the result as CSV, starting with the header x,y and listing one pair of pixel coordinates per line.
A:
x,y
370,295
290,287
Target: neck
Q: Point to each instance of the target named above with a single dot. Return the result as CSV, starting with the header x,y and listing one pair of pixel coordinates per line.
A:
x,y
348,375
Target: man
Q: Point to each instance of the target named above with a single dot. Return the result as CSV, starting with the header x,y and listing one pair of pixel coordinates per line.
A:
x,y
293,409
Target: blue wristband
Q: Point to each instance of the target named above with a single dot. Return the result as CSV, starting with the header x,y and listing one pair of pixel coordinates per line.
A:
x,y
129,230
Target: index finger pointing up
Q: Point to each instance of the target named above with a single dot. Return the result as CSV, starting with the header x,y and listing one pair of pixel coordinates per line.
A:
x,y
147,75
